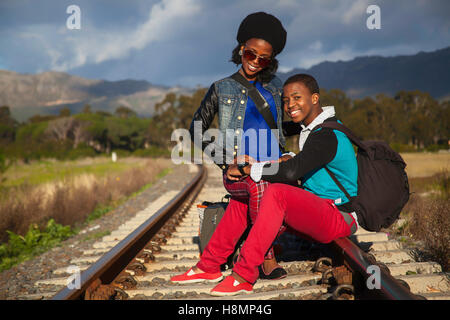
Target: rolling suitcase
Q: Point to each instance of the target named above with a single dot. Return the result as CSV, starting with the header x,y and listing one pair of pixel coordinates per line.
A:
x,y
210,214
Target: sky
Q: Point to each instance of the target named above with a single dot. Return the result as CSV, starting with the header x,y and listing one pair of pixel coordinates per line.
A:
x,y
189,42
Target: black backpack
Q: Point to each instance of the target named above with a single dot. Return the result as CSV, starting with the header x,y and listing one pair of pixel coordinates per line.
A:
x,y
383,188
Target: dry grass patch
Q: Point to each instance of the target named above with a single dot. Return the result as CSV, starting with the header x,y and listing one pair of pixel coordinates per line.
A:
x,y
426,164
73,199
428,218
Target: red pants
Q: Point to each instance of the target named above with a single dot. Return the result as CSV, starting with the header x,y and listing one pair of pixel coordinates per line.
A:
x,y
316,218
248,192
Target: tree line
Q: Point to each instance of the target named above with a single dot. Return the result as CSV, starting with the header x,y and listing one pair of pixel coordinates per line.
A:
x,y
409,121
66,136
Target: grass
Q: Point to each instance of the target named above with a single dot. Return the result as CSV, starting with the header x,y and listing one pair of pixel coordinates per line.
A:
x,y
98,212
43,171
34,218
427,213
427,216
426,164
97,235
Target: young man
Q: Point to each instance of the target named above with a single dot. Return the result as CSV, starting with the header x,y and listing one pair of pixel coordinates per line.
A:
x,y
318,210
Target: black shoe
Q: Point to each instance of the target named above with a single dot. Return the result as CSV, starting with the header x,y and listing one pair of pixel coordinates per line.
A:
x,y
276,273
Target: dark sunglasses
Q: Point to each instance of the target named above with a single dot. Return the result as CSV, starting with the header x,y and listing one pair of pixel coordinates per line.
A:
x,y
262,61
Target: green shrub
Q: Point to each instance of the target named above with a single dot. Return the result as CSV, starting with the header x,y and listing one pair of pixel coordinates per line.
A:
x,y
436,147
400,147
98,213
82,151
20,248
122,153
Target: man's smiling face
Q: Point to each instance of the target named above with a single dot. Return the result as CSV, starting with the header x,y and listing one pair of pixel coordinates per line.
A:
x,y
298,102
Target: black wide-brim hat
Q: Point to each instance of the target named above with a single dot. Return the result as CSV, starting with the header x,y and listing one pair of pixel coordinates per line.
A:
x,y
264,26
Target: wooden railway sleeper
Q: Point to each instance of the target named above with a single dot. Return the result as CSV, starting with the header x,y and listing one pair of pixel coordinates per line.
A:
x,y
342,275
337,276
98,291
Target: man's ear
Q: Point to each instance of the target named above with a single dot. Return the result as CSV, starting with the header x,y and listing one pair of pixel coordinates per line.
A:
x,y
315,98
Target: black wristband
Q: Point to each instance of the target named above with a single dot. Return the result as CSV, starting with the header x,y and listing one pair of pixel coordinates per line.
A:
x,y
241,168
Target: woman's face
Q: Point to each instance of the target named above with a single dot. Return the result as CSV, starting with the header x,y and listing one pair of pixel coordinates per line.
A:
x,y
260,49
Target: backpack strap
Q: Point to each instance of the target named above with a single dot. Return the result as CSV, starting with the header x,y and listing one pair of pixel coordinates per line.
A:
x,y
332,175
353,138
340,127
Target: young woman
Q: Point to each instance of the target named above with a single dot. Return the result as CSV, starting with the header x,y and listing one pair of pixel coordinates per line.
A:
x,y
261,37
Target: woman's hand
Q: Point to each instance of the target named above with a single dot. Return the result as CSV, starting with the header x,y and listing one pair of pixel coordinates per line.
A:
x,y
234,174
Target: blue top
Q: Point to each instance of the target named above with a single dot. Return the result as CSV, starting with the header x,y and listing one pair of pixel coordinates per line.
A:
x,y
259,143
343,165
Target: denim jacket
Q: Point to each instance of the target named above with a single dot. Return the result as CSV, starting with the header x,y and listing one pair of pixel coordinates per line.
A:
x,y
228,99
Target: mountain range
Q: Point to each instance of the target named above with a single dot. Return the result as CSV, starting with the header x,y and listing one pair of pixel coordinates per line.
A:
x,y
368,76
48,92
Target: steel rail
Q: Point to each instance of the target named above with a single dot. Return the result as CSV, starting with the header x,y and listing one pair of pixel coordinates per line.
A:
x,y
359,262
114,261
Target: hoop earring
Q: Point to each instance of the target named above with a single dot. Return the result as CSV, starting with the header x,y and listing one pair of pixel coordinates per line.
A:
x,y
240,52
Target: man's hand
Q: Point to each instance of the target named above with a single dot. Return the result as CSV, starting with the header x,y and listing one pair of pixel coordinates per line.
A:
x,y
243,159
286,157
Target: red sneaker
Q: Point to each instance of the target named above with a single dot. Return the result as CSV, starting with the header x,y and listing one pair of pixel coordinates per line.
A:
x,y
230,287
191,277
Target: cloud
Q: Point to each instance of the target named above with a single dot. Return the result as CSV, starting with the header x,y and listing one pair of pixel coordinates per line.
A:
x,y
69,49
316,45
188,42
315,53
162,17
355,12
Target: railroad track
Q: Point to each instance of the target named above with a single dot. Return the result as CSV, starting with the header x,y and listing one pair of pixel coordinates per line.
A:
x,y
137,260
